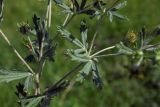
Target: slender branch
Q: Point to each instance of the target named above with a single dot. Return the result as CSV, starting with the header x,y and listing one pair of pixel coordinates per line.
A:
x,y
30,42
48,14
107,55
66,75
103,50
66,19
69,20
16,52
68,89
150,46
37,79
140,61
92,43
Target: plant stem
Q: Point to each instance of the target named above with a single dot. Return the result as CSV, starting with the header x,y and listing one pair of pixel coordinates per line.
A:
x,y
66,19
30,42
65,76
140,61
41,62
37,79
16,52
92,43
68,89
48,14
105,49
107,55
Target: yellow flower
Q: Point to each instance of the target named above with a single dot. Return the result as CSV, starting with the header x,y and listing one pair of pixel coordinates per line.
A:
x,y
131,37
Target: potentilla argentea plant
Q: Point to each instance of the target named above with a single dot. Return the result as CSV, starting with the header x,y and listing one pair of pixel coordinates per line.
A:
x,y
42,48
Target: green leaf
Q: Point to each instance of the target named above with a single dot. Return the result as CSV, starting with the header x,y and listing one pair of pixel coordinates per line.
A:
x,y
112,12
84,38
124,49
28,85
1,10
77,57
96,78
70,37
80,53
7,76
110,16
80,78
119,16
84,71
120,5
58,1
65,8
34,102
87,68
84,30
158,55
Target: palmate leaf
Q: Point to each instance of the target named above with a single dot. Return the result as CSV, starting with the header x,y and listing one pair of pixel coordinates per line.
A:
x,y
7,76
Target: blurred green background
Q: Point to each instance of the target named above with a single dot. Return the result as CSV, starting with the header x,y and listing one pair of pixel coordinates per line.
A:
x,y
116,92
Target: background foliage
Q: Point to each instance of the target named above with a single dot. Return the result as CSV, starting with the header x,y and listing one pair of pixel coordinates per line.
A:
x,y
119,90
